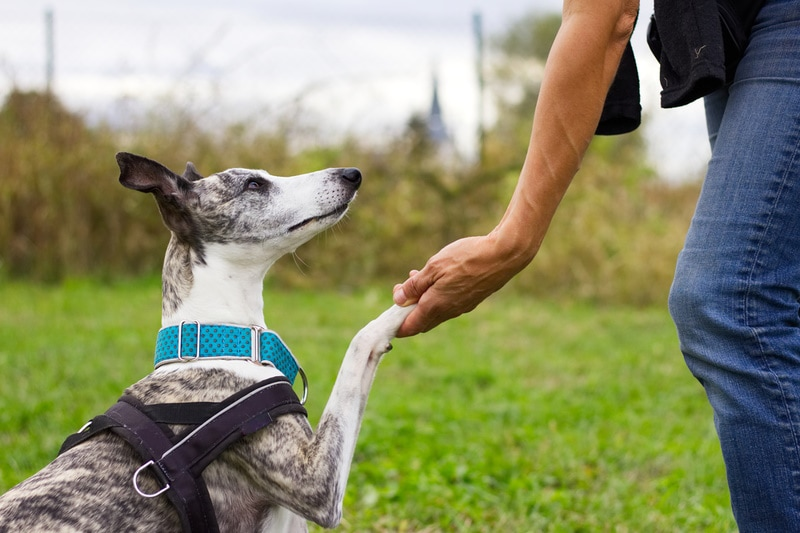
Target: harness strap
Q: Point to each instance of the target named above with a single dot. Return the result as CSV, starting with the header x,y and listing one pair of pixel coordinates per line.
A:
x,y
189,494
178,466
187,414
255,408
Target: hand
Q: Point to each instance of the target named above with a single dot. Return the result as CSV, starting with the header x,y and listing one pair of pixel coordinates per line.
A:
x,y
579,70
455,281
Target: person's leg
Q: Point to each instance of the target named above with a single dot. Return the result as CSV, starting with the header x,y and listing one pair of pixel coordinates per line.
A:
x,y
735,297
715,104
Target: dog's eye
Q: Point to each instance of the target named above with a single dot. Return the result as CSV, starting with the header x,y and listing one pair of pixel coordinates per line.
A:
x,y
254,183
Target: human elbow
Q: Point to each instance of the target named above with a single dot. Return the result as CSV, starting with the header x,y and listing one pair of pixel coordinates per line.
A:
x,y
626,19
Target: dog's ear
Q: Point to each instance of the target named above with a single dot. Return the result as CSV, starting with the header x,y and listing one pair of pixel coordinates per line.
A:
x,y
173,193
145,175
191,172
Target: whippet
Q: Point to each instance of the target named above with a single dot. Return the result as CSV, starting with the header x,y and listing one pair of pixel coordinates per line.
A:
x,y
227,229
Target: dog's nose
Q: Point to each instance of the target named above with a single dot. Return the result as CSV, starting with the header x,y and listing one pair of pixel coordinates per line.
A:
x,y
353,175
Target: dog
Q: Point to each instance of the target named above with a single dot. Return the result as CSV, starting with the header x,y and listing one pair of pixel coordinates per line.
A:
x,y
227,229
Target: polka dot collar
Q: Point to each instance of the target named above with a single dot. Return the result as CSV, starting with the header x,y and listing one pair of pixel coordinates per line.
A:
x,y
181,344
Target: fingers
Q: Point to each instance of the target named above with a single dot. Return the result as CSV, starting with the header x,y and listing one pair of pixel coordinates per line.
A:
x,y
417,322
410,290
431,310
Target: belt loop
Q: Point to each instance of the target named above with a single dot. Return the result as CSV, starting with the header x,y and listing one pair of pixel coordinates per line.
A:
x,y
180,342
255,344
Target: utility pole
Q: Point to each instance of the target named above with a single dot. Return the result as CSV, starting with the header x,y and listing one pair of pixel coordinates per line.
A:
x,y
477,27
49,51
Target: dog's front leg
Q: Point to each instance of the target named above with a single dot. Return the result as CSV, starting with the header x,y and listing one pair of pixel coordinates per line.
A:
x,y
348,399
341,419
314,487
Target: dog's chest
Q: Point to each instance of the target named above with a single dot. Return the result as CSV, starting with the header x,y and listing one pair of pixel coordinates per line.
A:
x,y
88,488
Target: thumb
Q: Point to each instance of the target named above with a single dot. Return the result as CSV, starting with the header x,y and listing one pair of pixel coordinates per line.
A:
x,y
411,289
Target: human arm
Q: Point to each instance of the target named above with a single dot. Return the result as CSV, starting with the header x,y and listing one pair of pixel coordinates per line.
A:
x,y
578,73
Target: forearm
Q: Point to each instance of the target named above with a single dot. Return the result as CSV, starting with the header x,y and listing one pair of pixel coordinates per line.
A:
x,y
580,68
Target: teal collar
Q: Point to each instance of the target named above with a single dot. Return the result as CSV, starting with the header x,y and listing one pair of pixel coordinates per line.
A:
x,y
224,342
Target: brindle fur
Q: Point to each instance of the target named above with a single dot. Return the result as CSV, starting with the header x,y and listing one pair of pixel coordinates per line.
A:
x,y
273,480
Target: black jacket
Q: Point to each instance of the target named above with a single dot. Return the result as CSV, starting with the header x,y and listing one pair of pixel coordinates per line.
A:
x,y
698,43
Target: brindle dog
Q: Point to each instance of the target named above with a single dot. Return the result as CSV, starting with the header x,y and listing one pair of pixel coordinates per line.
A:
x,y
227,230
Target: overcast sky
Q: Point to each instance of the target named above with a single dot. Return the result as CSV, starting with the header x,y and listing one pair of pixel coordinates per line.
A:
x,y
365,65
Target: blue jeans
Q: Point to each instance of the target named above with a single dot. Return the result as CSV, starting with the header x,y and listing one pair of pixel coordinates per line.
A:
x,y
735,297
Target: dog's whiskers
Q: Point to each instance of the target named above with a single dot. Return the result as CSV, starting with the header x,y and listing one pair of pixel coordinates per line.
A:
x,y
338,226
299,263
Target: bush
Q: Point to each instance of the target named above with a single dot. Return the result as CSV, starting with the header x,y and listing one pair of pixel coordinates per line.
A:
x,y
63,214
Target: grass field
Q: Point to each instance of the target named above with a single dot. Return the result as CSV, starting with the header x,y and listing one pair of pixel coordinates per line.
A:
x,y
523,416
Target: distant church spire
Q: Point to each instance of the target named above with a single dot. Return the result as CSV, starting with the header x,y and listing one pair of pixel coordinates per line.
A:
x,y
437,131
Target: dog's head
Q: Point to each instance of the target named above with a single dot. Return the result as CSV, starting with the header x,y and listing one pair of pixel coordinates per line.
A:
x,y
247,209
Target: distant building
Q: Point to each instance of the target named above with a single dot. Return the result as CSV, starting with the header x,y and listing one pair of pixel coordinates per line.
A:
x,y
437,130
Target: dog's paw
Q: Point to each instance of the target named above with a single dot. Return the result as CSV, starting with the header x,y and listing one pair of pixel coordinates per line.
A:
x,y
390,320
380,332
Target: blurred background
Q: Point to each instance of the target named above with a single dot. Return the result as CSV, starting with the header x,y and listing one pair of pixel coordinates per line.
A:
x,y
560,405
432,100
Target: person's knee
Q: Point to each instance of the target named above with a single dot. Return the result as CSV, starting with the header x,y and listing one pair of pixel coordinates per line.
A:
x,y
684,299
698,310
699,299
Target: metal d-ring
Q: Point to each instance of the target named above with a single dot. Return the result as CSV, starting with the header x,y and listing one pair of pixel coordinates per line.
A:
x,y
305,385
136,482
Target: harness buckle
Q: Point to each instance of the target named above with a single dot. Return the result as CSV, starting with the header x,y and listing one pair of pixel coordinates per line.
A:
x,y
180,342
136,482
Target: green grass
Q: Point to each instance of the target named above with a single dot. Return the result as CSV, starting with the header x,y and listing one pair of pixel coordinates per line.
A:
x,y
522,416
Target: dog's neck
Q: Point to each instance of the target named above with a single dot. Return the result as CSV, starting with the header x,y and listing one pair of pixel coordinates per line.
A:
x,y
221,284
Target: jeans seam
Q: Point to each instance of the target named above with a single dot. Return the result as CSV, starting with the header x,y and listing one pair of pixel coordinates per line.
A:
x,y
751,316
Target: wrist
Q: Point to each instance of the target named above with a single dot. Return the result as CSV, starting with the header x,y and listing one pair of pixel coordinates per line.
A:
x,y
515,246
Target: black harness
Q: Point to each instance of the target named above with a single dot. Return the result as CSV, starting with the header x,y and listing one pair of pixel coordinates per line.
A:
x,y
179,460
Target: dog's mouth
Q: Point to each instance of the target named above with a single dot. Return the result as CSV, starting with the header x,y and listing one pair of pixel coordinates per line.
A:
x,y
336,213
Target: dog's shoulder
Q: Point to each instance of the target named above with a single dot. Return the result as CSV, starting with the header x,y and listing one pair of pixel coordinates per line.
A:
x,y
188,385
